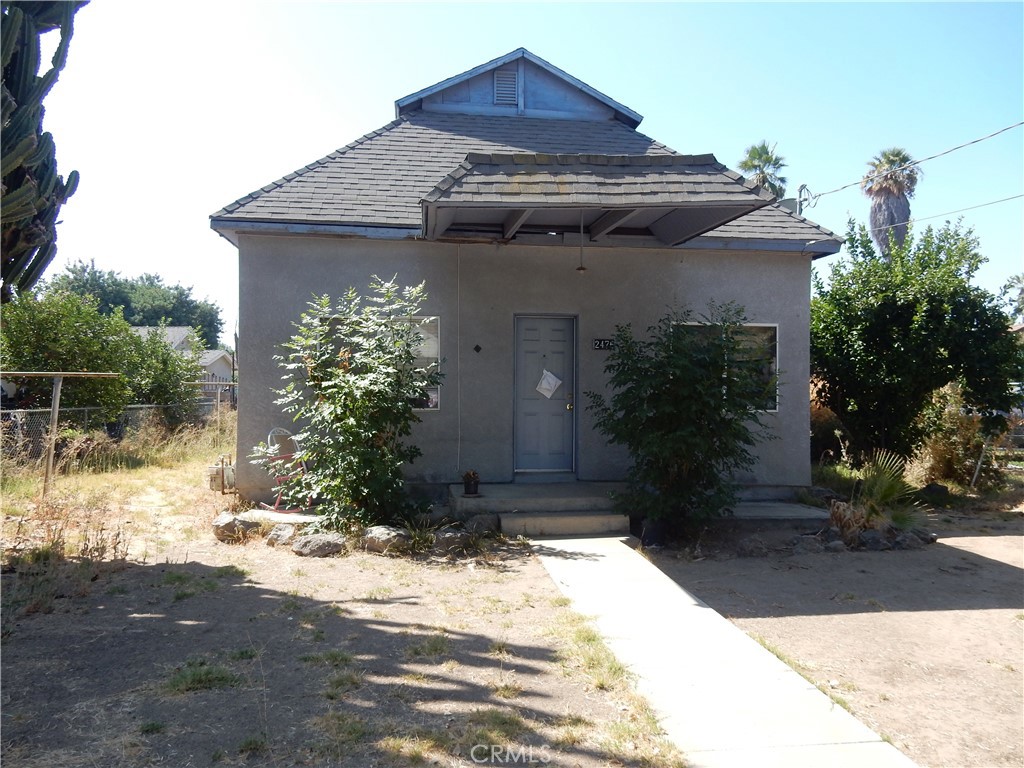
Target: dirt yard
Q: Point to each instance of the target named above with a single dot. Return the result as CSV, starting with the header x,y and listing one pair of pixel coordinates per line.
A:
x,y
198,653
201,653
924,646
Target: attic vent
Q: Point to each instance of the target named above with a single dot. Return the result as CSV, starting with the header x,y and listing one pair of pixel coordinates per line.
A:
x,y
506,83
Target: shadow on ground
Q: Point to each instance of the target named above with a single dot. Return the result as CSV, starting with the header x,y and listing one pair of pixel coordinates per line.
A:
x,y
276,678
974,566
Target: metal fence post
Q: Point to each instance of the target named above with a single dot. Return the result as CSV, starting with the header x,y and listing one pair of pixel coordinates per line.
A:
x,y
58,381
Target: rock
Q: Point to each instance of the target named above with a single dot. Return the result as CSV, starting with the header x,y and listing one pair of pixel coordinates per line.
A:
x,y
232,529
807,545
752,546
281,533
927,537
386,538
836,546
833,534
450,540
319,544
826,495
483,524
907,541
935,492
873,540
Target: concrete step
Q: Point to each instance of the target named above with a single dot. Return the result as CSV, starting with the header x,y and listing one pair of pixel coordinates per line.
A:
x,y
578,523
501,498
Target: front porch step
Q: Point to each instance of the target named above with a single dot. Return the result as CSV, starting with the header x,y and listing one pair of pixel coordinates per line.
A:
x,y
504,498
563,523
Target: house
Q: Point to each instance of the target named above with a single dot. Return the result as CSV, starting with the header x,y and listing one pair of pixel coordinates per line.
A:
x,y
540,218
217,364
180,338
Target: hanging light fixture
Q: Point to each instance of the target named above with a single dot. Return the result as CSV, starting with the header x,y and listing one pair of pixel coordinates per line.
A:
x,y
581,269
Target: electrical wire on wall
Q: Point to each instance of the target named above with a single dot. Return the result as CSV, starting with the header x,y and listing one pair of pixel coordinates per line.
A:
x,y
458,355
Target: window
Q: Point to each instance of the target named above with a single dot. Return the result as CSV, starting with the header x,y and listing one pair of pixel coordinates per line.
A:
x,y
759,350
429,353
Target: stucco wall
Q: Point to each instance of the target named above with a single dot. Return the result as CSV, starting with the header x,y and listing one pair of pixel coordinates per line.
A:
x,y
477,290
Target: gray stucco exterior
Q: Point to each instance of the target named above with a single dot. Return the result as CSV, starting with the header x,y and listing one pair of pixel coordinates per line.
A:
x,y
477,290
486,187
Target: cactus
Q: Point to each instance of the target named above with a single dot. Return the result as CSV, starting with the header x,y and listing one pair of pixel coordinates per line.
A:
x,y
31,192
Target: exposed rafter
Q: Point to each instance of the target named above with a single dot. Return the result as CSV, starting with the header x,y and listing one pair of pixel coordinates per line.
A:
x,y
514,221
610,221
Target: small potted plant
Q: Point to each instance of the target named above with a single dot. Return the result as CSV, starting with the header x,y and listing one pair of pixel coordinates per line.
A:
x,y
471,482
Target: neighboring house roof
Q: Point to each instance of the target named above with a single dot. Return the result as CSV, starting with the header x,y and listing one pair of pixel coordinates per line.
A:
x,y
211,356
177,336
381,185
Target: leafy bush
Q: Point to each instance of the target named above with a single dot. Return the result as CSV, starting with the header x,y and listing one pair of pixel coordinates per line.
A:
x,y
887,332
954,443
686,404
60,331
352,382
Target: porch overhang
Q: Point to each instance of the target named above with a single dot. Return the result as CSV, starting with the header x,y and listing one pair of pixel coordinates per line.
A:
x,y
663,199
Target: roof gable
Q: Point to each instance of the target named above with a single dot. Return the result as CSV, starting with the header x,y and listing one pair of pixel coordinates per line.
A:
x,y
518,83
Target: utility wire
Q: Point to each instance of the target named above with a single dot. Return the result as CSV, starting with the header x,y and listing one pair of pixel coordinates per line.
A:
x,y
814,198
948,213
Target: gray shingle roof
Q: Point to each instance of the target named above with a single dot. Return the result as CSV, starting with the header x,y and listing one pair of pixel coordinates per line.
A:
x,y
775,223
606,181
381,179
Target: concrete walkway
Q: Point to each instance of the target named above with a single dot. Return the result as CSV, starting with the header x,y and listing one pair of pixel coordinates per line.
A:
x,y
725,701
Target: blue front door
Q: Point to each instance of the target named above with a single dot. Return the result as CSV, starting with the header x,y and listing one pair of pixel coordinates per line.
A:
x,y
545,416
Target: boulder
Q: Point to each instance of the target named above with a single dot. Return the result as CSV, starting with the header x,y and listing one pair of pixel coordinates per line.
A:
x,y
907,541
232,529
282,533
386,538
449,540
833,534
752,546
835,546
807,545
483,524
874,540
926,537
319,544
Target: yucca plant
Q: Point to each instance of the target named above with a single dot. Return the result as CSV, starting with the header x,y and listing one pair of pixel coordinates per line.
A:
x,y
884,495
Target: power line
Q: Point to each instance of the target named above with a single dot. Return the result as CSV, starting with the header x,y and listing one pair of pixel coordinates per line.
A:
x,y
814,198
948,213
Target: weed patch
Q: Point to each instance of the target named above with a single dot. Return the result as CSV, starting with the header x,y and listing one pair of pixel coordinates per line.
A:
x,y
199,675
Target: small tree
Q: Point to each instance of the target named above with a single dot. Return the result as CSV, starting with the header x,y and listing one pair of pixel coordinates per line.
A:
x,y
686,403
64,332
160,375
352,382
889,331
143,300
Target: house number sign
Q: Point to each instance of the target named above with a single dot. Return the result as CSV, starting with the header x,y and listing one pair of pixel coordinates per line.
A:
x,y
604,344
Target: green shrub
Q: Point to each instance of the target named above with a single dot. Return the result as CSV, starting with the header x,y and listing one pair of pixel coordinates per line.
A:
x,y
953,444
352,381
686,403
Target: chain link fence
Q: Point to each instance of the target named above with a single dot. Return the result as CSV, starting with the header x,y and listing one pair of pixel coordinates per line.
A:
x,y
24,432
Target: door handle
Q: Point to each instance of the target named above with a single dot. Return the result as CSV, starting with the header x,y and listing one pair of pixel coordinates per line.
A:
x,y
568,406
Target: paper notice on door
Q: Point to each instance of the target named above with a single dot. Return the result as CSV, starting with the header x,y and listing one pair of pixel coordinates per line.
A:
x,y
548,384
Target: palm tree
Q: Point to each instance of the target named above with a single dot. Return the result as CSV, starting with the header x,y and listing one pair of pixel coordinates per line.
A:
x,y
762,166
890,183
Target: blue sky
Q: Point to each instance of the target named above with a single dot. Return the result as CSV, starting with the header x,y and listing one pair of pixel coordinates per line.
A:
x,y
172,110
